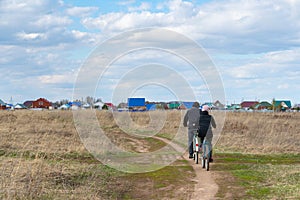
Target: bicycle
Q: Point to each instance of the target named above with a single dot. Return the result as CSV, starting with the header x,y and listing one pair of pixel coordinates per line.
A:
x,y
206,151
196,147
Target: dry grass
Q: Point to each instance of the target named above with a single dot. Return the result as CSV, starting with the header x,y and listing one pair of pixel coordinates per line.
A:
x,y
261,133
49,132
43,157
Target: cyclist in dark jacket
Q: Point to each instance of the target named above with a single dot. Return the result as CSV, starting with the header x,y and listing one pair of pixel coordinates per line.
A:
x,y
191,120
206,123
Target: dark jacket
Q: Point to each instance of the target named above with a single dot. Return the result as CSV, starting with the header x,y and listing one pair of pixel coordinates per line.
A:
x,y
191,118
206,122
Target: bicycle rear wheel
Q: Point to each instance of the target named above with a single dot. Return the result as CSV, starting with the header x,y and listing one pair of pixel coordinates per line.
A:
x,y
196,155
202,161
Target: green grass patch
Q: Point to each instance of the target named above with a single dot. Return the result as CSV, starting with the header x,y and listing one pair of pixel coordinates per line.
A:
x,y
259,158
57,157
154,144
263,176
164,182
169,136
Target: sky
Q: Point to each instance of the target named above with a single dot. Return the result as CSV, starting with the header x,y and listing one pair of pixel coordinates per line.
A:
x,y
254,45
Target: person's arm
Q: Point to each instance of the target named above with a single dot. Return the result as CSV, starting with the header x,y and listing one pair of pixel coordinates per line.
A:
x,y
185,119
213,123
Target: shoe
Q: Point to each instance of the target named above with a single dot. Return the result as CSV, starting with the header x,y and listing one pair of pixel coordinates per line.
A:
x,y
191,156
211,160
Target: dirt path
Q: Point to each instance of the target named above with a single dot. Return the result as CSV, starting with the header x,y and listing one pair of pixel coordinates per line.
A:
x,y
205,187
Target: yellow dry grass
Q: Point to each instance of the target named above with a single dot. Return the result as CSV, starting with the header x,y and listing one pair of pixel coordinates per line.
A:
x,y
42,155
261,133
54,131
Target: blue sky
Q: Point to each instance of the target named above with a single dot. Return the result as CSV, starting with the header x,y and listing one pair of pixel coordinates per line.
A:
x,y
255,45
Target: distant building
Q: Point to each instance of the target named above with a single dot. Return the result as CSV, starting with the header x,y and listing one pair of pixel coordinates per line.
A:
x,y
151,106
264,105
136,104
186,105
41,103
234,107
75,105
123,105
9,106
132,102
173,105
248,104
218,105
110,106
20,106
64,107
281,105
86,106
2,105
296,107
98,105
28,104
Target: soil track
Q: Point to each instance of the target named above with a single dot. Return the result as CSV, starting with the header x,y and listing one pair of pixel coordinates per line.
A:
x,y
205,187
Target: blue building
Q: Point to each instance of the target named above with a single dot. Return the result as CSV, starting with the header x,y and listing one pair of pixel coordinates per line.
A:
x,y
136,104
151,107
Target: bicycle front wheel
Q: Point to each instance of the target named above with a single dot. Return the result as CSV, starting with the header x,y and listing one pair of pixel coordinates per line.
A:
x,y
207,164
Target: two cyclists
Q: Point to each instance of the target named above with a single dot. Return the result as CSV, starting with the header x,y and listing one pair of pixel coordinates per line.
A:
x,y
201,121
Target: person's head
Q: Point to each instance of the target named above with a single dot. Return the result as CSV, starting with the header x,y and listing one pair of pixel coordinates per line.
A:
x,y
205,108
196,104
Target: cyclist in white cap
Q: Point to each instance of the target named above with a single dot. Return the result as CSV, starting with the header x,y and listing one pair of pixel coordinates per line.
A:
x,y
206,123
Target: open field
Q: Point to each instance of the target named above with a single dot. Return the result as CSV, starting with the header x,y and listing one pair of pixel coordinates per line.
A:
x,y
42,157
261,133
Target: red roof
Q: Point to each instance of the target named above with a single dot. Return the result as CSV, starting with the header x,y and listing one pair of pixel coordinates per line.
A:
x,y
109,104
41,103
248,104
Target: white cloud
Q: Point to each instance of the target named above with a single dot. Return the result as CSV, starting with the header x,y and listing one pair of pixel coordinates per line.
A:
x,y
31,36
273,74
283,86
81,11
40,23
43,39
57,78
141,7
282,57
271,64
234,26
126,3
50,21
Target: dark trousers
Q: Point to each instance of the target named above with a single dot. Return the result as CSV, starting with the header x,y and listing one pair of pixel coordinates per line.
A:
x,y
190,141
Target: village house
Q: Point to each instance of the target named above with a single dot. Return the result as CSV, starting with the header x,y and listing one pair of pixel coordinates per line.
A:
x,y
186,105
264,105
98,105
110,106
173,105
218,105
281,105
248,104
28,104
210,105
233,107
20,106
2,105
296,107
41,103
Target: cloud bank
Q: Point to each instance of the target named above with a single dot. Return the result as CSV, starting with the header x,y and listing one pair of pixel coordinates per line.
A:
x,y
254,44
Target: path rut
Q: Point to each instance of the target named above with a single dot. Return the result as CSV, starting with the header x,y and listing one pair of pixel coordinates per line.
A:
x,y
205,187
